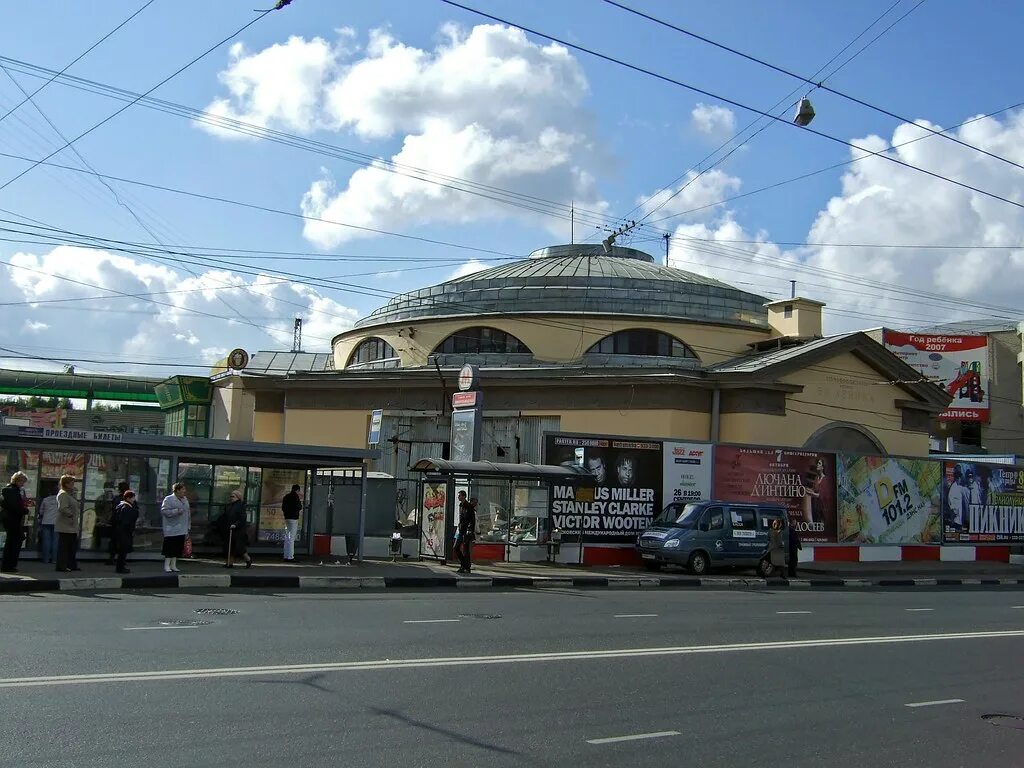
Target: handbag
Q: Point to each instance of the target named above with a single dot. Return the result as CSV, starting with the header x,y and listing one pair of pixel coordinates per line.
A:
x,y
187,549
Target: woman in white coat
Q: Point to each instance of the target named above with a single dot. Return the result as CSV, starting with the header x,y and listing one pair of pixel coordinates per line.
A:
x,y
176,517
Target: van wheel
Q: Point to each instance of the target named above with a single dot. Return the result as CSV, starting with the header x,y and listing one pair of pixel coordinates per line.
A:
x,y
699,563
652,566
765,568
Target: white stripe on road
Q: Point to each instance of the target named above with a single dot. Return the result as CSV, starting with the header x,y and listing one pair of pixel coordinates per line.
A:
x,y
792,613
468,661
139,629
934,703
635,615
634,737
919,610
431,621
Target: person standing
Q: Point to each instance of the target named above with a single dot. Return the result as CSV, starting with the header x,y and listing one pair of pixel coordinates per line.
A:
x,y
14,509
122,524
776,545
291,507
794,547
236,531
467,532
47,532
68,508
176,519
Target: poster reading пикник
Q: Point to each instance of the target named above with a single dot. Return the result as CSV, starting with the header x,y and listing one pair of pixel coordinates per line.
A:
x,y
889,501
802,481
628,486
957,363
433,511
982,503
276,483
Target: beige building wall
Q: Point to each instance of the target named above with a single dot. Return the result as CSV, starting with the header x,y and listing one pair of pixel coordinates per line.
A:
x,y
268,427
681,425
840,389
552,339
325,427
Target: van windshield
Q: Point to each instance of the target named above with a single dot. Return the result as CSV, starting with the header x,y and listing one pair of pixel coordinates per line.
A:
x,y
678,515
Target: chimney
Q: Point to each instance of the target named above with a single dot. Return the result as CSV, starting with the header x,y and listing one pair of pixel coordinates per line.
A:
x,y
797,318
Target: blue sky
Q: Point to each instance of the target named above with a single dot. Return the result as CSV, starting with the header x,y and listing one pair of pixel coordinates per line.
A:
x,y
942,63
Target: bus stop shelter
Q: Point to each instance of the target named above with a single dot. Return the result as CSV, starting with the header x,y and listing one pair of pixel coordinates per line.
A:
x,y
151,465
513,520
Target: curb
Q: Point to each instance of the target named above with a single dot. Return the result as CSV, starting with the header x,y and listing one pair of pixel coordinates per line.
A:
x,y
240,581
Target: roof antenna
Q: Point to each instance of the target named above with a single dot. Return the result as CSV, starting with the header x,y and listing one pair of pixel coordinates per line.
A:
x,y
792,289
297,335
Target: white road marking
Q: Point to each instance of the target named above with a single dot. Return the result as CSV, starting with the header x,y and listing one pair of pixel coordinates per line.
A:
x,y
1017,606
934,703
431,621
636,615
139,629
634,737
919,610
468,661
792,613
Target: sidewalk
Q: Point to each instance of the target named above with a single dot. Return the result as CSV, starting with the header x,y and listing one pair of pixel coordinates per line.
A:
x,y
317,573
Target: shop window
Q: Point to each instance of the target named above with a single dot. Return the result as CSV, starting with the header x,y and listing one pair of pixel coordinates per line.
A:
x,y
970,433
371,350
481,340
642,341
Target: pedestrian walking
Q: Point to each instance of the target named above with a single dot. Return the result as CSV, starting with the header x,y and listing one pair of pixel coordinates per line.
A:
x,y
176,518
68,508
47,532
235,526
13,509
776,545
794,547
122,523
467,532
291,507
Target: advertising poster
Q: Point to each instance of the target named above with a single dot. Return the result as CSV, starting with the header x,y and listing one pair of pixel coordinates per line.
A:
x,y
628,474
982,503
889,501
686,474
434,510
802,481
276,483
957,363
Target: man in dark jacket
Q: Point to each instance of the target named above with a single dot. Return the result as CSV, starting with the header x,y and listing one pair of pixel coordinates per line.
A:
x,y
122,529
13,510
794,547
291,507
467,532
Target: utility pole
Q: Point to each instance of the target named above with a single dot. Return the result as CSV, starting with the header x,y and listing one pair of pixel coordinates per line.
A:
x,y
667,237
572,222
792,289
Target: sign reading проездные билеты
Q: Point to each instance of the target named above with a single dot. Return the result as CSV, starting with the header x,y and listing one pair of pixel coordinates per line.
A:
x,y
70,434
956,362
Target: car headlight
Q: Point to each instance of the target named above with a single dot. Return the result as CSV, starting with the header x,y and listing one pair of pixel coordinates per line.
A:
x,y
671,544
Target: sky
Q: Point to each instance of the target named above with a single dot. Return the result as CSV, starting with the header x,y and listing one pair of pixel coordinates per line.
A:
x,y
333,154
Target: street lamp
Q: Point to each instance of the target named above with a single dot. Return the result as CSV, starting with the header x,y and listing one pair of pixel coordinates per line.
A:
x,y
804,113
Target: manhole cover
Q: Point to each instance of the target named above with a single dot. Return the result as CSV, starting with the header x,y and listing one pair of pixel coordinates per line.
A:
x,y
184,623
1007,721
479,615
216,611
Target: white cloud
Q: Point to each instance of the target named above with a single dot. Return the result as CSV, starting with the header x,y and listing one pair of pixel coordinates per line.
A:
x,y
713,120
485,105
197,319
692,193
885,204
470,267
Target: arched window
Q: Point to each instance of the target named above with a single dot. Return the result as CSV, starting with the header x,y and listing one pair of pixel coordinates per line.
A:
x,y
481,340
642,341
371,350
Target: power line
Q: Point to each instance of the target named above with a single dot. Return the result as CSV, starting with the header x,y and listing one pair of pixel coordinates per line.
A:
x,y
734,103
110,117
74,61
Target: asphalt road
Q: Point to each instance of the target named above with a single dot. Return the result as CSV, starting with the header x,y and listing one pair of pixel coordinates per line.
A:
x,y
522,678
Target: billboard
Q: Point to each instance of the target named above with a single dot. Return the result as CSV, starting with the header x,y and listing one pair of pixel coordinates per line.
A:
x,y
686,472
802,481
433,511
982,503
276,483
889,501
628,492
957,363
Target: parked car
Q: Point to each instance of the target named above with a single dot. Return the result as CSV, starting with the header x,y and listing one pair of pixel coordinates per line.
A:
x,y
706,534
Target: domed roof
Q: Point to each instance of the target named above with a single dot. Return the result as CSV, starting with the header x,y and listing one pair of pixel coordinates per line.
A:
x,y
580,279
